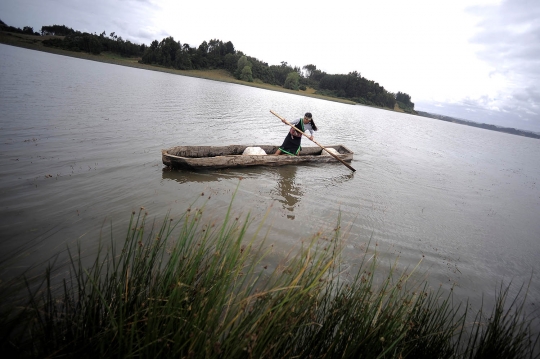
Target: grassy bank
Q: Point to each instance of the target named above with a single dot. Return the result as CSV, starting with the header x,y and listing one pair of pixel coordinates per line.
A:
x,y
199,288
36,43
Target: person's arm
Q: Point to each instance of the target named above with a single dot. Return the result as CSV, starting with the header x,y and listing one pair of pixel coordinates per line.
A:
x,y
311,132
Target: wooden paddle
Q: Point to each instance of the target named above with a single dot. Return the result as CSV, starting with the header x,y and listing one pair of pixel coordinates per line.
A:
x,y
321,146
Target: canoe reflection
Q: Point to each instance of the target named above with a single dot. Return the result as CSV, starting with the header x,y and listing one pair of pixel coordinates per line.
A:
x,y
185,176
282,184
191,176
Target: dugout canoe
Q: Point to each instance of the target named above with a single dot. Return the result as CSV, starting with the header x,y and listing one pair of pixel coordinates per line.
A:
x,y
210,157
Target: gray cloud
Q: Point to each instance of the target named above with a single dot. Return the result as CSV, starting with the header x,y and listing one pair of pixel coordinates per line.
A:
x,y
521,110
509,35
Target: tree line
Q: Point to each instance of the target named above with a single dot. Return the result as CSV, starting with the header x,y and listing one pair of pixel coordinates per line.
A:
x,y
216,54
28,30
74,40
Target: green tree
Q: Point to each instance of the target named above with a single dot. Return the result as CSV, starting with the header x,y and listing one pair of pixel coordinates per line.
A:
x,y
168,48
281,72
230,62
261,71
58,30
94,46
188,49
229,48
199,61
403,97
203,48
404,102
292,81
183,60
216,53
243,62
310,69
149,56
246,74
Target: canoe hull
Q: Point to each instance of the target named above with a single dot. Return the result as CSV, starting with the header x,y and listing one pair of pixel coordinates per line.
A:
x,y
210,157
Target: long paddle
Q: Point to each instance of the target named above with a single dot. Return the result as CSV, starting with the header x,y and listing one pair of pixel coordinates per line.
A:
x,y
321,146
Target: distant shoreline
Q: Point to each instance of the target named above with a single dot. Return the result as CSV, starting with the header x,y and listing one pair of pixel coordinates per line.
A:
x,y
485,126
33,42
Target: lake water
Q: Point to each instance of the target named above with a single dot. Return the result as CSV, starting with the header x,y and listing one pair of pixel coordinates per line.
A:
x,y
81,141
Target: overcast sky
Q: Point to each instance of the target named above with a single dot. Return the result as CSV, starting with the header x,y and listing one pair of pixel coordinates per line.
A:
x,y
473,59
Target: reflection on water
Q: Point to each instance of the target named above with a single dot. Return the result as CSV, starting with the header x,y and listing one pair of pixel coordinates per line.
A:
x,y
212,175
189,176
288,189
283,184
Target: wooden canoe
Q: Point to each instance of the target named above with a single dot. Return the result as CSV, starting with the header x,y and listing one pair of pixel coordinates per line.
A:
x,y
209,157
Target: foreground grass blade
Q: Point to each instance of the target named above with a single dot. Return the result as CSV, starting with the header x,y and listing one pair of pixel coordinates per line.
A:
x,y
190,288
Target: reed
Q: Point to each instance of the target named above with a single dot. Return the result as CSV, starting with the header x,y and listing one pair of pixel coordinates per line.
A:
x,y
196,288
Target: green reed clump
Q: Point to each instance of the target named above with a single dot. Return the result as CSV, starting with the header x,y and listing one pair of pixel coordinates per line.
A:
x,y
193,288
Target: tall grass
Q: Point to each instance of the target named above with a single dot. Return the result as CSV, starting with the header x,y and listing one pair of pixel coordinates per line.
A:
x,y
193,288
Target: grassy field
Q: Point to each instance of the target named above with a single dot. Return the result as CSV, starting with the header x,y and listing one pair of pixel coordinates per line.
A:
x,y
36,43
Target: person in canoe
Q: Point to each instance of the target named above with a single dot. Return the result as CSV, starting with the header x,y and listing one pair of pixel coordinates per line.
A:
x,y
291,144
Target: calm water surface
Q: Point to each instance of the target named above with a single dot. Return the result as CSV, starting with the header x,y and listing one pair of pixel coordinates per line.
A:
x,y
80,146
